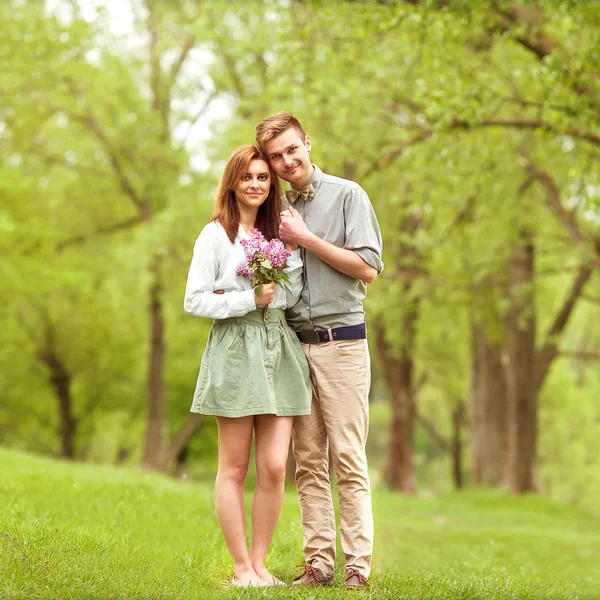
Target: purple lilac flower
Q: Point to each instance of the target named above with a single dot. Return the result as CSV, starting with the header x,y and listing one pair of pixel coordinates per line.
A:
x,y
277,253
255,245
244,271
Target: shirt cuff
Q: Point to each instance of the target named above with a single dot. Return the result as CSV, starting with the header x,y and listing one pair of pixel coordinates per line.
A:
x,y
371,258
294,260
244,302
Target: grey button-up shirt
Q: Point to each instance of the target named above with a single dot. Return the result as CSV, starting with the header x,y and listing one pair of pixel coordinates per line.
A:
x,y
342,214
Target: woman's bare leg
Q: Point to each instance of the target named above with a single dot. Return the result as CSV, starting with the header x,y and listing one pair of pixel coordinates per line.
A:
x,y
235,439
272,444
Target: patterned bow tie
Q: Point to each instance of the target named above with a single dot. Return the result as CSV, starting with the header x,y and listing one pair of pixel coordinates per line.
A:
x,y
306,193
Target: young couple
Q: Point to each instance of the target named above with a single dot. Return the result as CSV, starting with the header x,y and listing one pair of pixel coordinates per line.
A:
x,y
303,371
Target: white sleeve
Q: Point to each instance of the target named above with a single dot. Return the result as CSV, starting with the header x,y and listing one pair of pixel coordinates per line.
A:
x,y
293,289
200,299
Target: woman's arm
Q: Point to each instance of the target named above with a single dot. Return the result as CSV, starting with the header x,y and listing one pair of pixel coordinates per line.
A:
x,y
200,297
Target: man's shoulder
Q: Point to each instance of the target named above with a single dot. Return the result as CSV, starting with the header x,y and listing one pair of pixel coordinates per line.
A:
x,y
349,190
334,180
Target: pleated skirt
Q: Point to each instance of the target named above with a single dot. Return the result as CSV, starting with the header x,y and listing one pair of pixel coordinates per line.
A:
x,y
250,367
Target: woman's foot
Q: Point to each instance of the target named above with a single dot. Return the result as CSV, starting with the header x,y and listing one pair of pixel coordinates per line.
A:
x,y
267,577
248,579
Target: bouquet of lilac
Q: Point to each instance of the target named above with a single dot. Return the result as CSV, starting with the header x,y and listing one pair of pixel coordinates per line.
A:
x,y
265,262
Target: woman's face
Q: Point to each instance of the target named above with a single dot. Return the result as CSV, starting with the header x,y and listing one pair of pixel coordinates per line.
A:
x,y
253,186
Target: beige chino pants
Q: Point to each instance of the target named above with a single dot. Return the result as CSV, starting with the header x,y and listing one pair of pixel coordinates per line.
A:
x,y
341,376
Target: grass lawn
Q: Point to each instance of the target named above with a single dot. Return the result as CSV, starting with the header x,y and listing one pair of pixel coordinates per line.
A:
x,y
97,532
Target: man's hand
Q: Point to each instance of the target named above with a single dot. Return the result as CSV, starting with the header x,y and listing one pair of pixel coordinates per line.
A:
x,y
293,229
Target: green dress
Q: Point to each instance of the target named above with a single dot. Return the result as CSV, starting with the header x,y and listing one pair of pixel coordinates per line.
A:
x,y
250,367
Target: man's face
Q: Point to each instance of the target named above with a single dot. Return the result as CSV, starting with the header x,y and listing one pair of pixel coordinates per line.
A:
x,y
288,155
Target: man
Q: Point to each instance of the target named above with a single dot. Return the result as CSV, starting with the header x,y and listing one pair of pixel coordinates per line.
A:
x,y
333,222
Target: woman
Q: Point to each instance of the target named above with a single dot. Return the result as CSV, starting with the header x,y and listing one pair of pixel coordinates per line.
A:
x,y
254,376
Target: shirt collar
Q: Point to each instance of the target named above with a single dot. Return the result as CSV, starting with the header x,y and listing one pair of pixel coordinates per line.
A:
x,y
315,179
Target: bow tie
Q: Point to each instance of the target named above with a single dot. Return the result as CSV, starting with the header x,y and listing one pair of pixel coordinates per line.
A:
x,y
306,193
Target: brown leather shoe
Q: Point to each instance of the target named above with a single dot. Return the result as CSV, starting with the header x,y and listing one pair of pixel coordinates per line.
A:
x,y
355,579
313,577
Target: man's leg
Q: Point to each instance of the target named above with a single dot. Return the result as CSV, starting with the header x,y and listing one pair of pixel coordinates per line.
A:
x,y
344,370
311,451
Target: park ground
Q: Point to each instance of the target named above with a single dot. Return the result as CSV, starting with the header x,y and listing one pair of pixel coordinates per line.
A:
x,y
82,531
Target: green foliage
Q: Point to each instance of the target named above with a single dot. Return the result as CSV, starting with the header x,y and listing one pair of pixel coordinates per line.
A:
x,y
437,109
569,441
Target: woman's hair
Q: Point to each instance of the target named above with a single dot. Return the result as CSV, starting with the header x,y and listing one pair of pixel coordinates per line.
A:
x,y
226,207
275,125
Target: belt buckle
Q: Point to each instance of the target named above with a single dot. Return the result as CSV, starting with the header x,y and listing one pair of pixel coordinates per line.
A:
x,y
310,336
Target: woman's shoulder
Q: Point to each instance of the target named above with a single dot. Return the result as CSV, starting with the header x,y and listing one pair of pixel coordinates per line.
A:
x,y
215,234
212,230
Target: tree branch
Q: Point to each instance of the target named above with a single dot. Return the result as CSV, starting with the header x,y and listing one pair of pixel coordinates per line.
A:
x,y
231,69
520,123
540,43
182,438
461,215
160,92
549,351
198,115
537,40
563,315
389,158
420,384
580,354
553,200
442,445
61,161
511,123
89,121
186,48
80,239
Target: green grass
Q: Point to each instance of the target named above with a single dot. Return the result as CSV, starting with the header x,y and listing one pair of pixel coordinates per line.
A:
x,y
93,532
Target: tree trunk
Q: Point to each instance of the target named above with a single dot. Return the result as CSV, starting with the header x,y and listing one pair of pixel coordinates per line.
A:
x,y
398,368
180,463
156,392
529,366
61,382
489,411
398,372
522,389
181,440
458,416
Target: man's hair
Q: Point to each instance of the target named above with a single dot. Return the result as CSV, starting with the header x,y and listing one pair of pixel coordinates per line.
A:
x,y
275,125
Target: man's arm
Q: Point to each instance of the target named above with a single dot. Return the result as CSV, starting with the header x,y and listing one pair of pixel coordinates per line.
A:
x,y
293,230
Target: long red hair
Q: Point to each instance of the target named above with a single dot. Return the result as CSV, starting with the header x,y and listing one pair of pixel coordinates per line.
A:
x,y
226,207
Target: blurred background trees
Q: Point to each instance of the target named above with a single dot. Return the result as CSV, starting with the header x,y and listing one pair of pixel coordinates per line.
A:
x,y
472,126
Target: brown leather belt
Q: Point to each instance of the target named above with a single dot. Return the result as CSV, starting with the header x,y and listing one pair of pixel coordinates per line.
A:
x,y
318,336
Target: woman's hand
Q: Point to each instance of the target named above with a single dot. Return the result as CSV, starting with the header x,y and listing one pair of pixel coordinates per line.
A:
x,y
291,247
267,294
